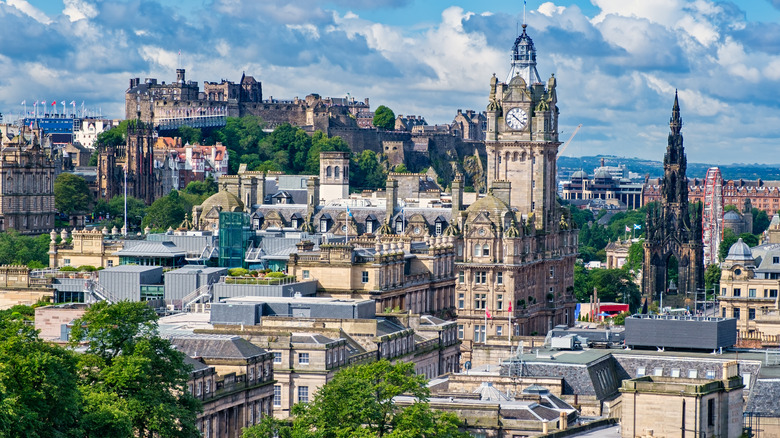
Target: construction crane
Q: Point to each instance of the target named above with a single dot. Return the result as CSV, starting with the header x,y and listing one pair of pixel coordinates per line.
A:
x,y
560,151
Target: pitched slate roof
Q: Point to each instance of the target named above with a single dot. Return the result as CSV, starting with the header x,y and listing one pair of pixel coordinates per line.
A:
x,y
216,346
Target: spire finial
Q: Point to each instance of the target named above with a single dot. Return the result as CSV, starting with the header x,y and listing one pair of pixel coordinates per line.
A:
x,y
675,122
524,14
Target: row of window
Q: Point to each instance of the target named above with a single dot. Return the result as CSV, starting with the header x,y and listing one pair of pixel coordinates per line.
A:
x,y
736,313
675,372
303,394
752,293
480,277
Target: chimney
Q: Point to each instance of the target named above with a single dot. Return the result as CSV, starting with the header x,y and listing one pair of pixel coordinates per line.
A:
x,y
457,195
312,194
502,190
392,198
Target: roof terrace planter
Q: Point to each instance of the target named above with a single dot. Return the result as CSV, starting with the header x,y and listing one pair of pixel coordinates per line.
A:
x,y
265,281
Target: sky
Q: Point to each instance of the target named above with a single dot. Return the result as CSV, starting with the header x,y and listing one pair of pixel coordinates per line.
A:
x,y
617,62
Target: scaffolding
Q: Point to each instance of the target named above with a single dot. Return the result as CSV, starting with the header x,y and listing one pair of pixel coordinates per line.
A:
x,y
712,217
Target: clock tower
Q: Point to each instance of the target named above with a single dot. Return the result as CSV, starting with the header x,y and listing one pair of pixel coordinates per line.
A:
x,y
522,136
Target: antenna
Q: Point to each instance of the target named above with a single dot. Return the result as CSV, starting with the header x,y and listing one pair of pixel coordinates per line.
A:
x,y
524,3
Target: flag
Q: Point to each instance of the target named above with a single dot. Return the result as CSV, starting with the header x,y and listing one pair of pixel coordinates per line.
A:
x,y
24,102
487,314
73,102
637,227
349,213
628,229
510,306
43,102
53,102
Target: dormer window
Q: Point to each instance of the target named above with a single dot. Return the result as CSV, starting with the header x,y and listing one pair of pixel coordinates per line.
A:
x,y
296,220
370,219
439,225
399,225
324,223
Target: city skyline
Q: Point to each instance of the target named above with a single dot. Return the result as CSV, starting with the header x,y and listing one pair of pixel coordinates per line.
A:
x,y
617,62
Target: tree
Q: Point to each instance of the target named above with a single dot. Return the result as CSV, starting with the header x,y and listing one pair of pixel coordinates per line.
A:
x,y
712,277
366,173
112,213
384,118
760,221
189,135
166,212
726,242
612,285
113,137
636,257
358,402
16,249
134,383
401,168
750,240
730,207
39,394
71,194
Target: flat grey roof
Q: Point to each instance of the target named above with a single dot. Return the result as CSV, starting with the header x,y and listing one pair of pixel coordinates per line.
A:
x,y
300,300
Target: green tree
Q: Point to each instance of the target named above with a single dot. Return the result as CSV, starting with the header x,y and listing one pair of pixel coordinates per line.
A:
x,y
366,172
712,277
612,285
166,212
203,189
113,137
401,168
189,135
636,257
93,158
384,118
71,194
134,383
760,221
321,143
750,239
580,216
16,249
726,242
39,395
358,402
730,207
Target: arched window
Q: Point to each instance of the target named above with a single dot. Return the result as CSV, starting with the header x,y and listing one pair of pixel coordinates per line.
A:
x,y
477,250
336,173
327,171
486,250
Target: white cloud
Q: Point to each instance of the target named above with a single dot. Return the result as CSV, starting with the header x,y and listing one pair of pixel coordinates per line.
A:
x,y
79,10
30,10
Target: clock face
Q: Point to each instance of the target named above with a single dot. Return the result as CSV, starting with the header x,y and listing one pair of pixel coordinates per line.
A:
x,y
516,119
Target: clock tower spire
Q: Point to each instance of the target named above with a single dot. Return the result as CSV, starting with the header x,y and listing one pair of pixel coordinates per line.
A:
x,y
522,136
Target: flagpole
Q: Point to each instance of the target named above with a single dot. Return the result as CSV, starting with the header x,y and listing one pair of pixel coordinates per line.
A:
x,y
484,333
509,334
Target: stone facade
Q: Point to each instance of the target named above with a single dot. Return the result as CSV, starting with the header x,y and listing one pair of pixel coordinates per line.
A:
x,y
699,407
88,247
26,187
516,262
671,230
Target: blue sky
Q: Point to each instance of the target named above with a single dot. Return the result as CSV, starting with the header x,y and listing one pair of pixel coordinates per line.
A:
x,y
618,62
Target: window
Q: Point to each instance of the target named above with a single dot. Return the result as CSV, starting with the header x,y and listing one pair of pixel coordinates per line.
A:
x,y
305,274
772,293
737,292
751,314
751,293
477,250
323,225
480,277
461,300
303,358
746,380
480,301
460,331
736,313
277,357
723,291
499,278
399,226
438,228
552,271
775,260
675,372
693,374
200,389
711,412
67,262
251,373
369,226
461,277
658,372
277,395
485,250
364,276
109,263
500,302
208,386
303,394
479,333
499,330
724,312
710,374
640,372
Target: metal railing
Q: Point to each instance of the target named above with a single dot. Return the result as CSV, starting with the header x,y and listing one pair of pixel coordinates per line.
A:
x,y
96,291
196,295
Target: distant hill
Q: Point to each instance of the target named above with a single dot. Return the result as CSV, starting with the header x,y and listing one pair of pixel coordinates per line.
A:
x,y
655,169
